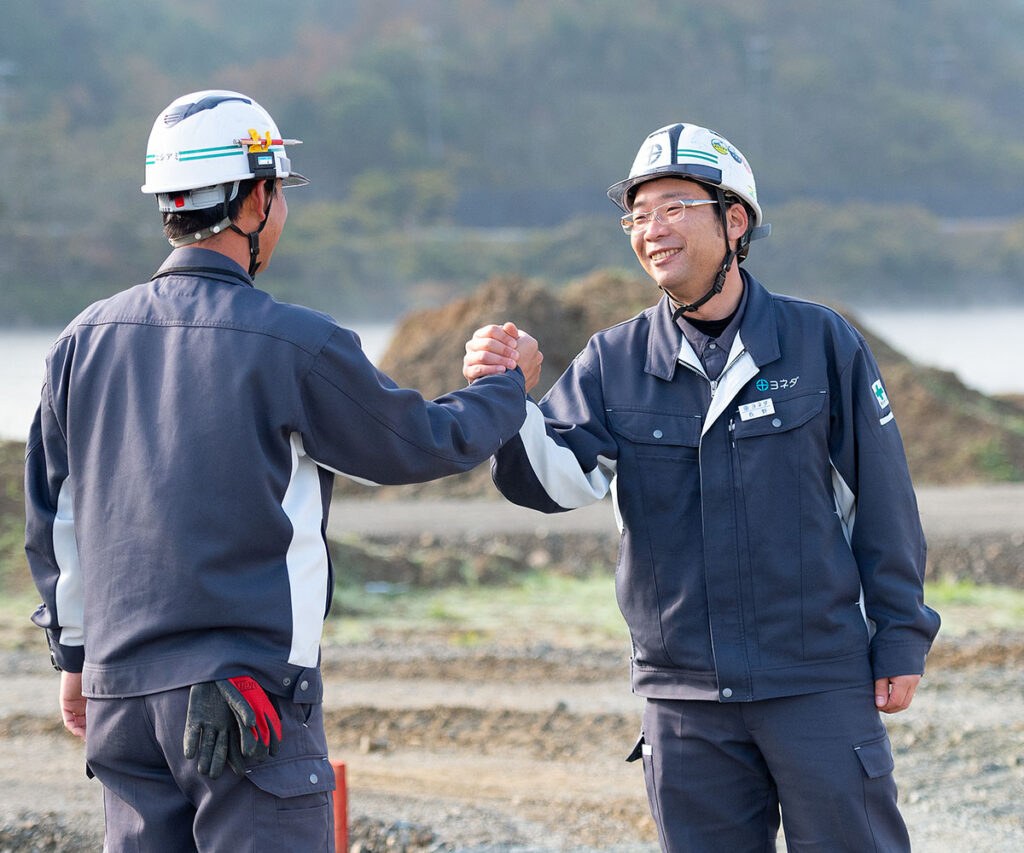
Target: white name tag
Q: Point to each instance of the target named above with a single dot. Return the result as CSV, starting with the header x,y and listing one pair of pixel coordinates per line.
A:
x,y
749,411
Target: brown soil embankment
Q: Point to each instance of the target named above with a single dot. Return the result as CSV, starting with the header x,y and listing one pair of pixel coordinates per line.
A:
x,y
953,434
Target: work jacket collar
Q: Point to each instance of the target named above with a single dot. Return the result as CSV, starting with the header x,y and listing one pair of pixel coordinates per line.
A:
x,y
758,331
191,260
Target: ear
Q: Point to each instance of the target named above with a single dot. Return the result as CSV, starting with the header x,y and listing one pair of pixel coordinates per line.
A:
x,y
738,220
254,205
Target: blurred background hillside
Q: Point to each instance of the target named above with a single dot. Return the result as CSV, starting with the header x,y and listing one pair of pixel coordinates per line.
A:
x,y
452,140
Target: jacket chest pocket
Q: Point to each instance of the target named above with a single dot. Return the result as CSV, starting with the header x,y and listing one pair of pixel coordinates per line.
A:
x,y
788,415
781,453
653,435
659,474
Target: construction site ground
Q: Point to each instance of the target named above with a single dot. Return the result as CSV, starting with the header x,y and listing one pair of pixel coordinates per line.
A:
x,y
515,740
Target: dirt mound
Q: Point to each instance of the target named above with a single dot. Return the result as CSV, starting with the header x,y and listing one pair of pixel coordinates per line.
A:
x,y
953,434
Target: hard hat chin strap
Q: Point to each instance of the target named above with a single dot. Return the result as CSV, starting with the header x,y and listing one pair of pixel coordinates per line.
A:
x,y
727,261
254,236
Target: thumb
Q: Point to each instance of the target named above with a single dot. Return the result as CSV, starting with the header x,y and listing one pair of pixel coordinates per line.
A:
x,y
881,692
242,710
510,328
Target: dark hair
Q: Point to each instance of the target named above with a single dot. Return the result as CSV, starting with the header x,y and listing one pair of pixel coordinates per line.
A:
x,y
192,221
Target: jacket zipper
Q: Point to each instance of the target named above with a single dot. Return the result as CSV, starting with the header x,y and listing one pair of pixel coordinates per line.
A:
x,y
713,383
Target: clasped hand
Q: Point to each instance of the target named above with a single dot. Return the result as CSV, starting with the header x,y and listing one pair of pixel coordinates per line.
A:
x,y
495,349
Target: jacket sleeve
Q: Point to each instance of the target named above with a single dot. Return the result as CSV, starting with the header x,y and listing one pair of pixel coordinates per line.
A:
x,y
50,543
359,423
877,502
564,456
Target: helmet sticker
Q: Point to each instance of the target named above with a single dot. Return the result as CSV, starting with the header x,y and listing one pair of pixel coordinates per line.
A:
x,y
654,155
723,147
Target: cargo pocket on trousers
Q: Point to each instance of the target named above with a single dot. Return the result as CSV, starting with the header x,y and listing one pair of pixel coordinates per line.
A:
x,y
876,757
300,817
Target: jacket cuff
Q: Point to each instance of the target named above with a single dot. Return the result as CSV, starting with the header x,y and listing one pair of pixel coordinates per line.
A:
x,y
67,658
903,659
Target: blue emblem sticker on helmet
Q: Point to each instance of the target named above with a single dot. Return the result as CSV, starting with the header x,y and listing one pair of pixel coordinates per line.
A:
x,y
723,147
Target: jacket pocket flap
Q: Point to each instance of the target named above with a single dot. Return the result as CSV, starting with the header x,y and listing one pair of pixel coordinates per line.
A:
x,y
788,414
653,428
876,757
293,777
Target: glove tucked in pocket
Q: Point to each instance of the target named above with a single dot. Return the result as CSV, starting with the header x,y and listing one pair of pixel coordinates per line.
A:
x,y
227,721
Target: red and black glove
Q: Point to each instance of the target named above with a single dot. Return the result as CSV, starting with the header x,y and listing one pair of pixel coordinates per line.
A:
x,y
227,721
254,712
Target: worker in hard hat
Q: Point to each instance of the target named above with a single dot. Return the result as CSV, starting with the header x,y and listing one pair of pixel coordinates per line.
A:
x,y
772,559
179,473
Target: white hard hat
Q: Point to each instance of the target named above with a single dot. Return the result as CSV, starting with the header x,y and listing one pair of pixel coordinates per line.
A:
x,y
698,154
207,139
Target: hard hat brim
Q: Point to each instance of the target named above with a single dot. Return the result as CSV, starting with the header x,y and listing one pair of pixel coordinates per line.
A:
x,y
702,174
294,179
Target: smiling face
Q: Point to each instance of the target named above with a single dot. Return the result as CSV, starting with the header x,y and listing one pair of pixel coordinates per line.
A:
x,y
682,257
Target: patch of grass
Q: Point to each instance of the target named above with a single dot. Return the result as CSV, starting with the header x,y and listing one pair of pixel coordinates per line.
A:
x,y
541,607
995,463
965,606
16,631
14,573
575,612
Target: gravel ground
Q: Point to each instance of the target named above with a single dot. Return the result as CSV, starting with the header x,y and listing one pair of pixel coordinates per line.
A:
x,y
520,749
486,750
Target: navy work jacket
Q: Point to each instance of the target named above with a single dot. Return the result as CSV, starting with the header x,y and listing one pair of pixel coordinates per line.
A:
x,y
179,474
770,537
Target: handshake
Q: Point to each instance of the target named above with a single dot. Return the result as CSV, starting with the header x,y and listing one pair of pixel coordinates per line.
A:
x,y
495,349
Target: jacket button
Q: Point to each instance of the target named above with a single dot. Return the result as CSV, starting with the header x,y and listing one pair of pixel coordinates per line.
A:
x,y
658,433
727,692
303,685
286,681
313,778
776,422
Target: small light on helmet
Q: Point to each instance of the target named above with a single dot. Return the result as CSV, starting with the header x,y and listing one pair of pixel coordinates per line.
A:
x,y
179,201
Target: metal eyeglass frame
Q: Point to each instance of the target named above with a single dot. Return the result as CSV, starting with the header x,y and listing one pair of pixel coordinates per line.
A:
x,y
641,221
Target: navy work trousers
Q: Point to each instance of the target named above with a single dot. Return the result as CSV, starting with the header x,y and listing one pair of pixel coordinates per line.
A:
x,y
718,773
155,800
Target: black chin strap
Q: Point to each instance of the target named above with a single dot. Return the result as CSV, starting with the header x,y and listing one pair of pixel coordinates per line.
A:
x,y
254,236
719,282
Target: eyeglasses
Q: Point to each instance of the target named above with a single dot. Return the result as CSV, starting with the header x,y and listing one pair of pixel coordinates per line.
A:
x,y
670,211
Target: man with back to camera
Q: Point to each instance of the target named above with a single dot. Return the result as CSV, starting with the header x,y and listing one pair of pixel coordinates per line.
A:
x,y
772,559
178,479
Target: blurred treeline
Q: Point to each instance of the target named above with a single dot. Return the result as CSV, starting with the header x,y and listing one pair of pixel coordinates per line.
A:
x,y
451,140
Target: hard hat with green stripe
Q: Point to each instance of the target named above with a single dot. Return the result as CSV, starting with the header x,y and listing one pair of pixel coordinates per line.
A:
x,y
204,143
697,154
